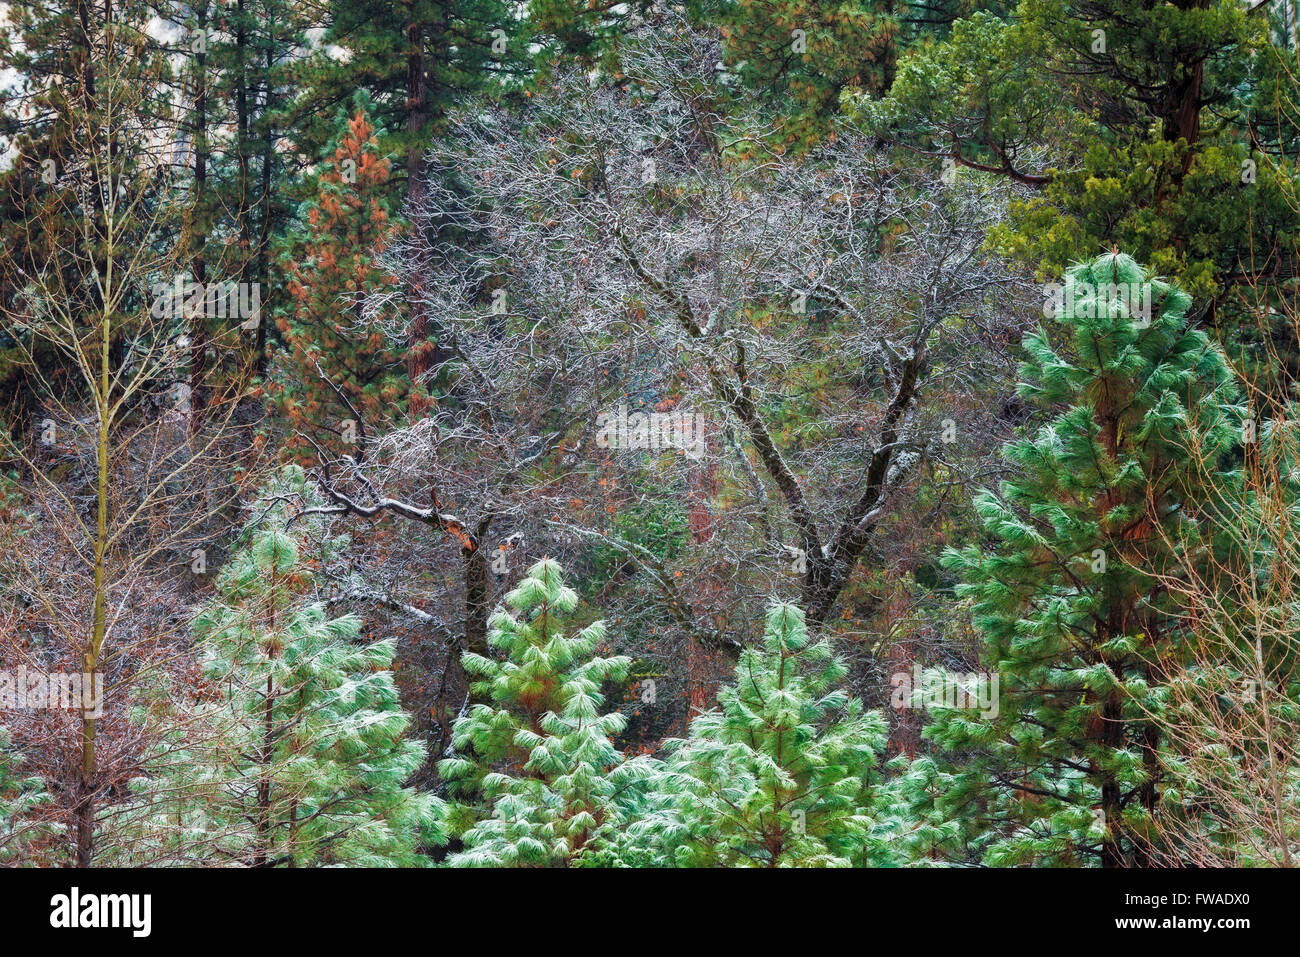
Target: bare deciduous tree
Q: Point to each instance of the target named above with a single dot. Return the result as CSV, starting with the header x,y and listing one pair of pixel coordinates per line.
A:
x,y
639,241
117,498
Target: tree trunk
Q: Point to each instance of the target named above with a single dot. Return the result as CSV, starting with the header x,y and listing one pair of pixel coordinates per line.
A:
x,y
703,492
1109,732
199,229
478,594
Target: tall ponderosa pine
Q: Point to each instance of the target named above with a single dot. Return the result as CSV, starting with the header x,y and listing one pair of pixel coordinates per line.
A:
x,y
330,267
415,59
783,775
1106,107
240,77
1067,595
537,778
305,754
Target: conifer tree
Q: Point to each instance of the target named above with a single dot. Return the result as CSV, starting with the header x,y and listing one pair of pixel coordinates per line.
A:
x,y
336,365
415,59
239,80
782,775
19,795
1068,593
537,780
924,831
1105,107
1112,114
802,55
302,758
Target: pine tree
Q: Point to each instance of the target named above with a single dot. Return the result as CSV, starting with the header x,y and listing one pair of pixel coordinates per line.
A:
x,y
1112,116
925,830
537,781
239,81
802,55
19,795
302,758
783,775
1068,594
1105,108
415,59
330,266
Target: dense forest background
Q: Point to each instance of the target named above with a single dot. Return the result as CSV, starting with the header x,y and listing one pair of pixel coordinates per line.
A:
x,y
597,434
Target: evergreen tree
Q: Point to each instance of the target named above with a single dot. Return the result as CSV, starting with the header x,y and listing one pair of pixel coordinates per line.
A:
x,y
924,832
1104,108
329,265
1166,130
783,775
537,779
302,758
415,59
19,795
801,55
1068,594
239,81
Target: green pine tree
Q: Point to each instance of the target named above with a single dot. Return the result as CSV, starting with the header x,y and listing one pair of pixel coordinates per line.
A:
x,y
800,56
240,79
926,831
1068,595
1109,109
302,758
1168,130
783,775
415,59
537,781
19,795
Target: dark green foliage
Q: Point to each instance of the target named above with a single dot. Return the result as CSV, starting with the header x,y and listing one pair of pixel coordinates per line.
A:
x,y
1068,596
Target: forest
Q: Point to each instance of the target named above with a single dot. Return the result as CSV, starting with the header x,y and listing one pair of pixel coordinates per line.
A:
x,y
649,434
